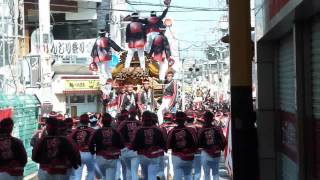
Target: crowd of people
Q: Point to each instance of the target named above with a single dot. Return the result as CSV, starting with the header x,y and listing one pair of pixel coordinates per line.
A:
x,y
124,97
202,99
115,148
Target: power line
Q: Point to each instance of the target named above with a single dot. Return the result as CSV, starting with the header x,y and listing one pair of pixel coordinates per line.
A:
x,y
87,8
200,20
203,41
57,23
177,7
187,9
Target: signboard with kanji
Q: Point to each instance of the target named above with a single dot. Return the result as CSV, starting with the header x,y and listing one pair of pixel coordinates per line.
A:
x,y
83,84
72,48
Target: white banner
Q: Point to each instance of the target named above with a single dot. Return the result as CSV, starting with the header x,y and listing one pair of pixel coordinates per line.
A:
x,y
78,48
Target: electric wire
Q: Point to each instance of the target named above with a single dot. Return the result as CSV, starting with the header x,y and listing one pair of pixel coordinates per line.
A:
x,y
132,4
175,6
185,9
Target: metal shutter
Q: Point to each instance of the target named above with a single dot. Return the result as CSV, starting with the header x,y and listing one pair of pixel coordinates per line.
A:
x,y
287,102
286,75
316,69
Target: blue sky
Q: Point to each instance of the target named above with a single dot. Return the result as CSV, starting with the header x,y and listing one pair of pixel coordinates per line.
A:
x,y
194,36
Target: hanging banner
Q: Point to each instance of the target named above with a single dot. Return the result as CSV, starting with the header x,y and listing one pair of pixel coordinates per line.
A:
x,y
77,48
82,85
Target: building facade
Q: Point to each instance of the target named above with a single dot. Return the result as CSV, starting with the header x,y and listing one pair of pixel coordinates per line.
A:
x,y
287,43
74,27
76,94
11,44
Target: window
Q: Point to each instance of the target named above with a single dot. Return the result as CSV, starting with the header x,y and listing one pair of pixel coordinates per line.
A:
x,y
67,99
4,60
91,98
77,99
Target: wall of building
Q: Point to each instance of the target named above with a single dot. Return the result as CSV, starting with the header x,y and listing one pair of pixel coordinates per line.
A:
x,y
287,131
103,14
85,106
59,103
63,105
266,111
86,10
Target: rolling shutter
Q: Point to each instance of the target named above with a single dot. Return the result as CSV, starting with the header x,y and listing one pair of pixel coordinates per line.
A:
x,y
316,69
287,102
286,75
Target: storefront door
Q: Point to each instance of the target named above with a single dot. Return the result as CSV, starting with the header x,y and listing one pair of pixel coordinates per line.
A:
x,y
73,111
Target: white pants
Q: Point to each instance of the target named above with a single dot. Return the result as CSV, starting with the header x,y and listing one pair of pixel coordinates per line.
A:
x,y
168,169
112,111
104,75
150,38
87,159
6,176
108,167
130,54
106,88
104,70
163,67
163,108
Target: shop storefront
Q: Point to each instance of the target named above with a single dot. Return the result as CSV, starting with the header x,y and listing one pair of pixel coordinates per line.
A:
x,y
76,95
77,104
287,107
288,88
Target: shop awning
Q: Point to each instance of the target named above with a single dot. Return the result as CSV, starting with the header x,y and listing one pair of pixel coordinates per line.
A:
x,y
93,91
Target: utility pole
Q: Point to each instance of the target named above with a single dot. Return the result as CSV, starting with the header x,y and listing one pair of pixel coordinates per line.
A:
x,y
3,33
219,77
244,134
183,103
45,63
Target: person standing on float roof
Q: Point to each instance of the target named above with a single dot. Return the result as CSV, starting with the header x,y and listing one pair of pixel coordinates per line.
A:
x,y
136,39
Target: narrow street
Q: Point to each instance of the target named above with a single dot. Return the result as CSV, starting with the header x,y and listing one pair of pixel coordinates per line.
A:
x,y
115,89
